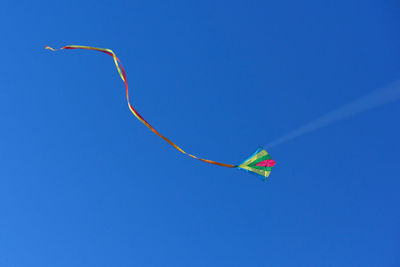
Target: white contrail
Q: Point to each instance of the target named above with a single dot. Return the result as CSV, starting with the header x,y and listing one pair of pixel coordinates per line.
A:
x,y
374,99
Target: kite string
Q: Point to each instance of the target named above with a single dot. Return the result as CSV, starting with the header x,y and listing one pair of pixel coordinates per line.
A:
x,y
122,74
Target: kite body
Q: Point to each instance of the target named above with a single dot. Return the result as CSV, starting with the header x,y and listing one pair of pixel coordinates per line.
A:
x,y
259,163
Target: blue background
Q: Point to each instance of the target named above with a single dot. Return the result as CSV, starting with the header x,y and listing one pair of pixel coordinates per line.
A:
x,y
83,183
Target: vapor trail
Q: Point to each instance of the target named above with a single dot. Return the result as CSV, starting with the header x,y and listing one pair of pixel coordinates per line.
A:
x,y
374,99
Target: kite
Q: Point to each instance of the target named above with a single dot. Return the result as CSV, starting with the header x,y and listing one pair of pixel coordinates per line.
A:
x,y
259,163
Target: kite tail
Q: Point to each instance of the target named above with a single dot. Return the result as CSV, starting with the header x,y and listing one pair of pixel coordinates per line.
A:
x,y
122,74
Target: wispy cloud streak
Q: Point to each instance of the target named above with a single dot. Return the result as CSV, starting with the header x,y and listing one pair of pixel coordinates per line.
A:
x,y
374,99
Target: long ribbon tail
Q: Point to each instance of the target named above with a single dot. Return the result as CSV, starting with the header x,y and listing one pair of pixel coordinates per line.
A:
x,y
122,74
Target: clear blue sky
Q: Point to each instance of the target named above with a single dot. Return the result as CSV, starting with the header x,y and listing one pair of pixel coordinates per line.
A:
x,y
83,183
